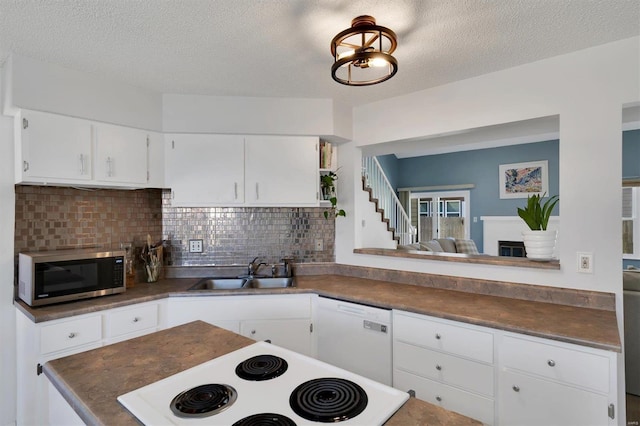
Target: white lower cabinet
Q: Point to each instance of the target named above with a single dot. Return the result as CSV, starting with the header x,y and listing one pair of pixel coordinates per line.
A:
x,y
544,382
446,363
285,320
38,343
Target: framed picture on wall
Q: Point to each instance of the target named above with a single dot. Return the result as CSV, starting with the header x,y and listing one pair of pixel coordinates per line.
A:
x,y
519,180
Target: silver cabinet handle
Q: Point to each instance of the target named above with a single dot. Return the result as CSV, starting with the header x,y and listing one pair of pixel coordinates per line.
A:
x,y
82,164
25,166
516,388
439,398
257,191
109,166
551,363
136,319
235,190
72,335
438,336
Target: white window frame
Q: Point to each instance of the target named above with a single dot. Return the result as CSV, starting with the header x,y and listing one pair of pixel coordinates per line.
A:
x,y
635,207
465,212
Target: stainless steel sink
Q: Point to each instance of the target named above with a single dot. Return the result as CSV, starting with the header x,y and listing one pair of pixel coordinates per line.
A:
x,y
271,282
220,284
239,283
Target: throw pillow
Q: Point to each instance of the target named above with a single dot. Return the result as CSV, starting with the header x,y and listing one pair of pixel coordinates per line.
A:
x,y
431,245
466,246
447,244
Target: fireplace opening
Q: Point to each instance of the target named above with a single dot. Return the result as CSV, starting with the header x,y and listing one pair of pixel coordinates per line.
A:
x,y
511,249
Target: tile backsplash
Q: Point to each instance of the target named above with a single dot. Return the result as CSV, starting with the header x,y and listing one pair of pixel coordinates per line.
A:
x,y
50,218
235,235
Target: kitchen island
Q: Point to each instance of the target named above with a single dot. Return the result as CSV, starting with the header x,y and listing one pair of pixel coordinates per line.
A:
x,y
91,381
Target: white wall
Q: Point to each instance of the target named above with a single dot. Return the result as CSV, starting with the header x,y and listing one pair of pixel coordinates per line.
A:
x,y
250,115
7,312
51,88
587,89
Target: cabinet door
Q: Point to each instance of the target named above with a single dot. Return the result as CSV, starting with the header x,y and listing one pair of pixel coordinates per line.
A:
x,y
156,161
205,170
281,170
54,148
121,154
526,400
290,334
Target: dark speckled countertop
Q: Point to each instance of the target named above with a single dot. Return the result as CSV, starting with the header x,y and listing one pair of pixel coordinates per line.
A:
x,y
579,325
128,365
91,381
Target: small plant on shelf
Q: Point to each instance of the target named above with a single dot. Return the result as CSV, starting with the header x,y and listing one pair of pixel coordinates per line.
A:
x,y
535,214
328,186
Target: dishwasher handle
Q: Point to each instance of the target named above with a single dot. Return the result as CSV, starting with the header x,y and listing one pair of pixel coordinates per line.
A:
x,y
351,310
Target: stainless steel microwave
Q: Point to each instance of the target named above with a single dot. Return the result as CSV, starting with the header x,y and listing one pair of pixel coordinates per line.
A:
x,y
63,275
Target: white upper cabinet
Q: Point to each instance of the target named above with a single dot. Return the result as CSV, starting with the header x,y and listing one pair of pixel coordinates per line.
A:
x,y
281,171
55,149
52,148
229,170
121,154
205,170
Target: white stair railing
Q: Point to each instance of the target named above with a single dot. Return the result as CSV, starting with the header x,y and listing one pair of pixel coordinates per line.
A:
x,y
382,190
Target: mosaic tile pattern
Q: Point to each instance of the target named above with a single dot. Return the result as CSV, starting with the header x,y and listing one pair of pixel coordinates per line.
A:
x,y
235,235
52,218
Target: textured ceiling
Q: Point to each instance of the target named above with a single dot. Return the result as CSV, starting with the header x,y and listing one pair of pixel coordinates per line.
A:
x,y
280,48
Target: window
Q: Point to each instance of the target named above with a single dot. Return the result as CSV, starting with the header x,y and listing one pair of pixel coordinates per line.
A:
x,y
630,226
441,214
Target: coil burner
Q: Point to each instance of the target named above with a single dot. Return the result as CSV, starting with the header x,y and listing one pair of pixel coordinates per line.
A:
x,y
261,367
204,400
328,400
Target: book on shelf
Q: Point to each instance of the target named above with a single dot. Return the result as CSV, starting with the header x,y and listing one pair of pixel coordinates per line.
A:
x,y
326,152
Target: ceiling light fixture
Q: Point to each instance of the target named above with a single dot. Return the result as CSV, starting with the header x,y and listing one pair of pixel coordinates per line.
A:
x,y
362,53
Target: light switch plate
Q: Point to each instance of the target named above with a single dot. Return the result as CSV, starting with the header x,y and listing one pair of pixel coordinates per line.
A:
x,y
195,246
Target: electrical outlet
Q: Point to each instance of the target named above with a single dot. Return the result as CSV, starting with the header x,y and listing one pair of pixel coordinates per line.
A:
x,y
319,244
585,262
195,246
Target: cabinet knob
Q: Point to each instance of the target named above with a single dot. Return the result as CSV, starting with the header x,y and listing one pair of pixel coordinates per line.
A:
x,y
438,336
136,319
253,332
72,335
439,398
438,367
551,363
516,388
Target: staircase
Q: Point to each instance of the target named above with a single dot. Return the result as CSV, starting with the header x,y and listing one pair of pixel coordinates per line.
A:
x,y
375,182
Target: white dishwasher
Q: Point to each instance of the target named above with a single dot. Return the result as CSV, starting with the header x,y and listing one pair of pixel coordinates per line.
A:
x,y
355,337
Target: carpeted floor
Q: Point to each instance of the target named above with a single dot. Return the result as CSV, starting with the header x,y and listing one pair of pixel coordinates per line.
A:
x,y
633,410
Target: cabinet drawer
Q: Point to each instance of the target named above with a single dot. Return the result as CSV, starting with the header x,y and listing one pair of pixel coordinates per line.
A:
x,y
444,368
131,320
530,401
559,363
448,397
473,344
69,334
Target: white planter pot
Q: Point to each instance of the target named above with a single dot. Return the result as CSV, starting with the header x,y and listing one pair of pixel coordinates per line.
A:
x,y
540,244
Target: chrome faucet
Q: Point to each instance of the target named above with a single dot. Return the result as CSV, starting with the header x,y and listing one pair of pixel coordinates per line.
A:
x,y
253,267
287,266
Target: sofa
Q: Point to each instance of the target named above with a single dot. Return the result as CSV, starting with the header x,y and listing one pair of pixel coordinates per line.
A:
x,y
443,245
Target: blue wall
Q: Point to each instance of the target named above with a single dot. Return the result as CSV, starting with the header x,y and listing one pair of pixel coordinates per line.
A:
x,y
479,167
631,168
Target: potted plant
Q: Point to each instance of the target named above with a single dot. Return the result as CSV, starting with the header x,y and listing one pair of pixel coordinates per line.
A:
x,y
539,242
328,186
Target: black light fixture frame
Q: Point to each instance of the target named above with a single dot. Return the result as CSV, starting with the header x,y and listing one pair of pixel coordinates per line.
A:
x,y
365,52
